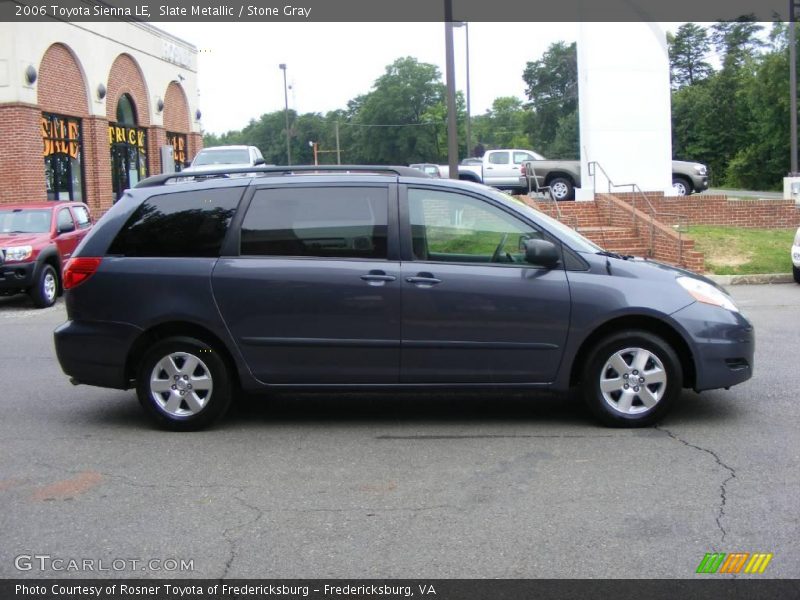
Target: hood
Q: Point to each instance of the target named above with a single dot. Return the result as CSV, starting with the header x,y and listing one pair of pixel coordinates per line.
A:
x,y
23,239
647,268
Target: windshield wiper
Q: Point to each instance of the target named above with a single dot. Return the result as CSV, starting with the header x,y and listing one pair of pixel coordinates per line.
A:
x,y
615,255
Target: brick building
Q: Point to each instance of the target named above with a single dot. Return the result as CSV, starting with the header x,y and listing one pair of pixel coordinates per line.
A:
x,y
85,109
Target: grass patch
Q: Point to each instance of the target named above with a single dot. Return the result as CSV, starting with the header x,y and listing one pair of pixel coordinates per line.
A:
x,y
740,251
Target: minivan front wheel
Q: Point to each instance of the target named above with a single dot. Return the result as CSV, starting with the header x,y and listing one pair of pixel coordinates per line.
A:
x,y
183,384
631,379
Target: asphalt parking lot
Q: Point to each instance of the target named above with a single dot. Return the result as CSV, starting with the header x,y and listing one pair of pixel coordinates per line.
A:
x,y
423,486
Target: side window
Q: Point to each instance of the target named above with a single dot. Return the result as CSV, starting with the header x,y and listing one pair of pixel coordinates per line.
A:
x,y
521,157
498,158
191,224
452,227
65,220
81,216
337,222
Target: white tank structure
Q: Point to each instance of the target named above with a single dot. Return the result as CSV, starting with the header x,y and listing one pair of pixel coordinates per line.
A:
x,y
624,100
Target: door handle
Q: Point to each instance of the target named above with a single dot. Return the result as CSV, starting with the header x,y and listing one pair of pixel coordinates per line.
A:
x,y
377,277
424,279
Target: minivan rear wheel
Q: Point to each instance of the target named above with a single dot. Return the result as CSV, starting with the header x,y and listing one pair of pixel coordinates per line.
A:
x,y
184,384
631,379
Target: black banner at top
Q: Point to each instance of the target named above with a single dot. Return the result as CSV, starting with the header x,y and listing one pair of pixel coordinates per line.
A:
x,y
393,10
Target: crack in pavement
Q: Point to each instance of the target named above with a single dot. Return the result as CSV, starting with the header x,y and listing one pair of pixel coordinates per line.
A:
x,y
723,488
233,542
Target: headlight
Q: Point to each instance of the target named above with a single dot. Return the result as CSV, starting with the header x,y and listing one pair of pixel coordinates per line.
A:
x,y
701,169
17,253
707,294
797,237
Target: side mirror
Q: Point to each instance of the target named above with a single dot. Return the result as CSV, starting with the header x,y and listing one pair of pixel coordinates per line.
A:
x,y
541,253
187,164
66,228
259,161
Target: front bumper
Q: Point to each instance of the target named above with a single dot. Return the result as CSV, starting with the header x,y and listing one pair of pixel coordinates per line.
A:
x,y
700,183
15,276
95,352
723,345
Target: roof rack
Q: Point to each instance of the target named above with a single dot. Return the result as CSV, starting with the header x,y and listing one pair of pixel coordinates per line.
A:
x,y
156,180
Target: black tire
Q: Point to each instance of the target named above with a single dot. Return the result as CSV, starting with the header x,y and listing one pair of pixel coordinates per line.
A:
x,y
196,408
796,273
611,411
682,186
562,189
44,292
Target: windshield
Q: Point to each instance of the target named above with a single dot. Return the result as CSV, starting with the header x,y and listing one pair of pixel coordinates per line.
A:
x,y
569,236
222,157
24,221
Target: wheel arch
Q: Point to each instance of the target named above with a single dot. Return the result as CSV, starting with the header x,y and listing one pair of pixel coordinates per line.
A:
x,y
646,323
49,256
560,175
177,328
469,177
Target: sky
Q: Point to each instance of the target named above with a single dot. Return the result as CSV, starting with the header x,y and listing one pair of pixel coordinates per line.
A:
x,y
331,63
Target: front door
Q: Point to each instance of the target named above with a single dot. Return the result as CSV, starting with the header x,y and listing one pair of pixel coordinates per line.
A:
x,y
67,235
314,297
473,310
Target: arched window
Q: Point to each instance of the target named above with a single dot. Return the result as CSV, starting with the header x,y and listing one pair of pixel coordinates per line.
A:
x,y
126,111
128,147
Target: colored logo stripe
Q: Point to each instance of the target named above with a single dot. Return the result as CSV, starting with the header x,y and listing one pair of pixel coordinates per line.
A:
x,y
719,562
758,563
711,562
734,562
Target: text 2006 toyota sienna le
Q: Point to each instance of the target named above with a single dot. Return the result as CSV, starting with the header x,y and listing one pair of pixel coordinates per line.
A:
x,y
383,278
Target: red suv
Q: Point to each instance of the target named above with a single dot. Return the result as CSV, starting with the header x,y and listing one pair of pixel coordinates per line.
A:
x,y
36,239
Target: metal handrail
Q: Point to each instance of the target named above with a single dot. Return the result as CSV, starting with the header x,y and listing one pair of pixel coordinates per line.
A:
x,y
653,213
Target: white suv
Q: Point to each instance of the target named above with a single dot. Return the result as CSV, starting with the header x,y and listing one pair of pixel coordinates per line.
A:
x,y
224,158
796,256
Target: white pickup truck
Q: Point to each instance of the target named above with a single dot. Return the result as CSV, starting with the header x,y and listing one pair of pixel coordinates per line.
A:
x,y
498,168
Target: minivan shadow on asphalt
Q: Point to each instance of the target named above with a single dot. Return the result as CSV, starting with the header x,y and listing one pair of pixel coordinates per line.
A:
x,y
415,408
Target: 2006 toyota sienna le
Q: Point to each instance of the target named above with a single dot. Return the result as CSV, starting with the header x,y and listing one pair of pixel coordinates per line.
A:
x,y
378,277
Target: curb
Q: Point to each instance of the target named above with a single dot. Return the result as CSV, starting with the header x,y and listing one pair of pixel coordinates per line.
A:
x,y
752,279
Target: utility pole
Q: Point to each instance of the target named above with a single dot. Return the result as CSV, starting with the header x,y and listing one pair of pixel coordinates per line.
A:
x,y
286,113
452,133
338,149
793,85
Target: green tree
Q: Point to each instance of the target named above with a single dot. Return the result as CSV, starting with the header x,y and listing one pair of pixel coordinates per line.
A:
x,y
552,88
397,122
688,49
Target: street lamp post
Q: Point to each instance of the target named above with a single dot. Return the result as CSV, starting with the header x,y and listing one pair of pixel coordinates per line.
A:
x,y
793,87
465,24
452,134
286,113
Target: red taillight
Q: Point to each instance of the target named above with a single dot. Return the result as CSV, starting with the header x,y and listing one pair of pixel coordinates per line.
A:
x,y
79,270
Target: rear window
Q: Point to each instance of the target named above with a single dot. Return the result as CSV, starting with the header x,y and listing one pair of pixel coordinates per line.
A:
x,y
191,224
82,215
325,222
222,157
498,158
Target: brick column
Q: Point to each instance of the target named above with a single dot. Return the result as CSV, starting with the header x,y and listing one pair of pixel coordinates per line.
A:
x,y
21,161
195,143
97,161
156,137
